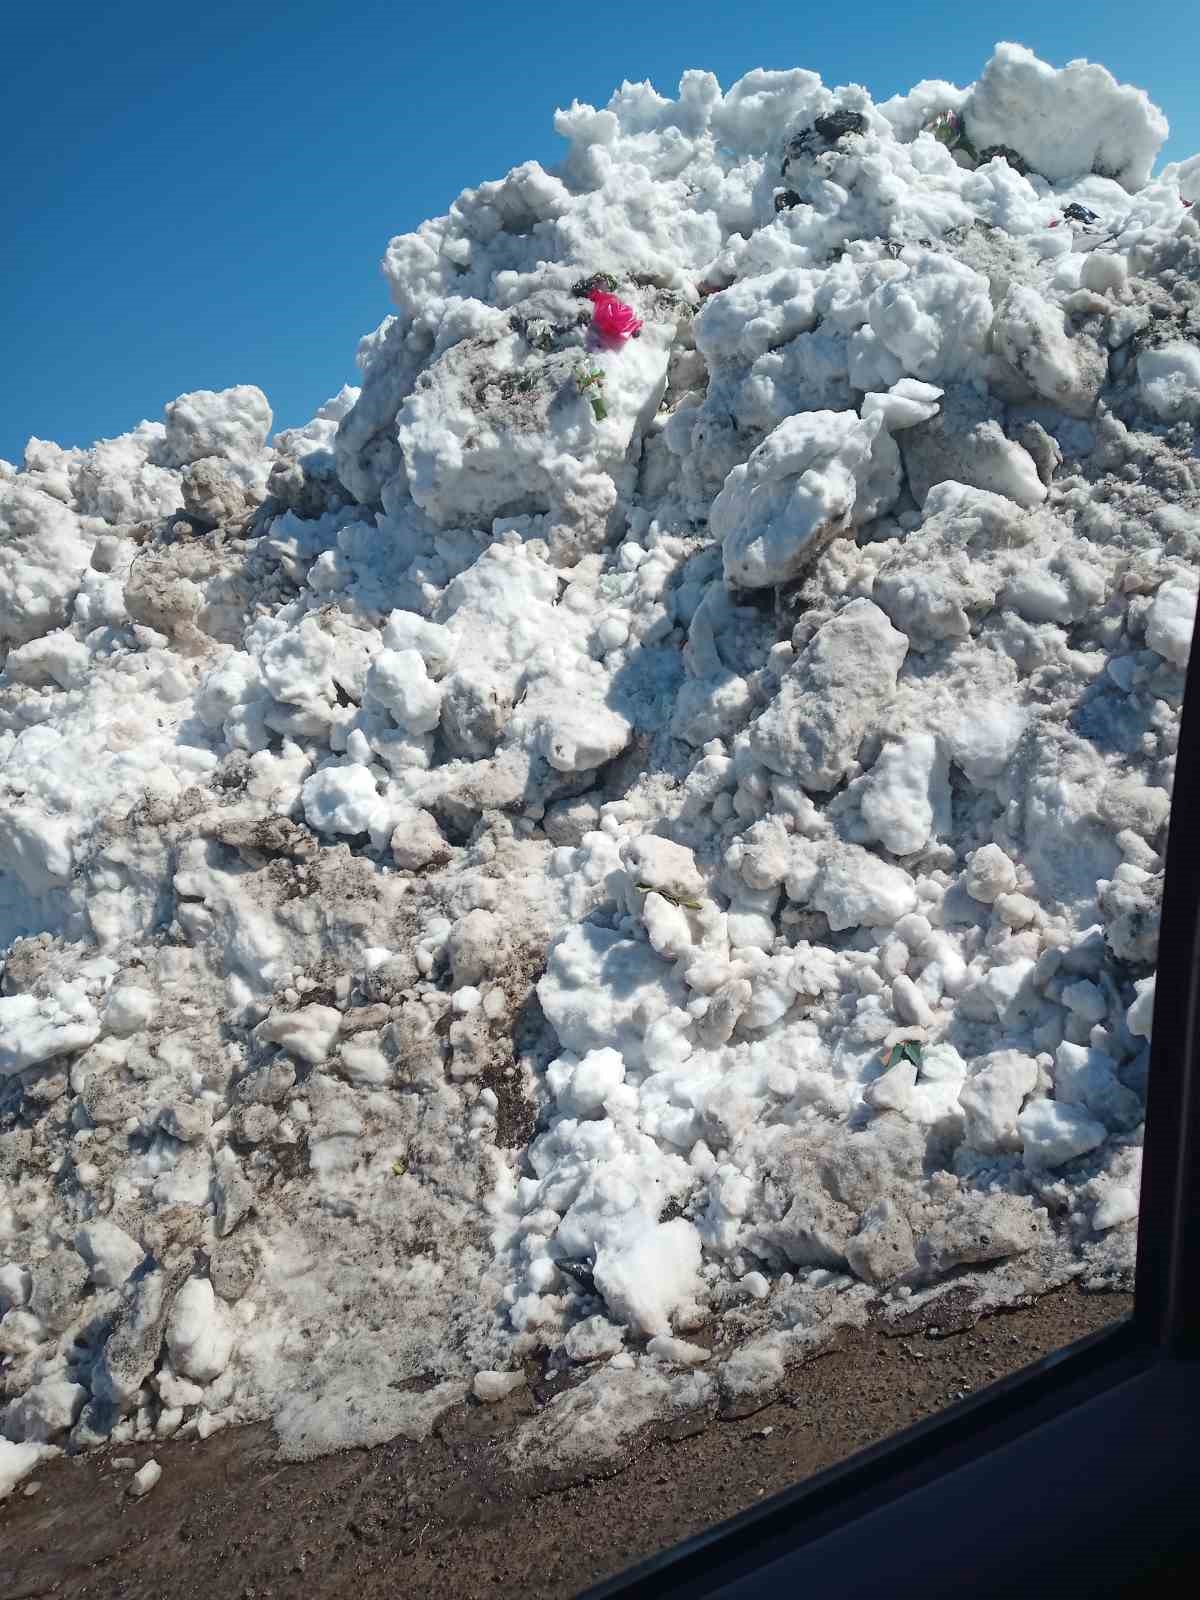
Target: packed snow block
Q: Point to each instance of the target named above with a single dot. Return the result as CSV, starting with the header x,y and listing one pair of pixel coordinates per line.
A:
x,y
59,1279
563,719
130,1009
1032,336
1065,123
831,698
906,794
417,841
16,1285
814,1231
661,864
972,543
306,1033
580,1087
1171,621
132,1348
1087,1077
343,799
33,1030
1120,1204
233,1194
231,424
967,444
18,1460
989,874
198,1333
882,1250
1053,1134
1131,902
44,553
779,510
649,1275
44,1412
934,318
303,476
477,447
975,1228
758,314
437,646
109,1251
992,1098
713,707
59,659
595,987
855,889
399,681
120,479
809,373
1140,1016
211,494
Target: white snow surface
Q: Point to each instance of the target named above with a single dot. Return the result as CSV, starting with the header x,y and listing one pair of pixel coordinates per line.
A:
x,y
465,866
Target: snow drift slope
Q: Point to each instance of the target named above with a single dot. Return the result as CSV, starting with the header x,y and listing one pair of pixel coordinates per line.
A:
x,y
466,869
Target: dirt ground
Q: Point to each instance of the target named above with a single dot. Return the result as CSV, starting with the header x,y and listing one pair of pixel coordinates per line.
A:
x,y
439,1520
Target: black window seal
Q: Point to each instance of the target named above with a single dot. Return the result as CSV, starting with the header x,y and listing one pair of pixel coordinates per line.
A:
x,y
1090,1457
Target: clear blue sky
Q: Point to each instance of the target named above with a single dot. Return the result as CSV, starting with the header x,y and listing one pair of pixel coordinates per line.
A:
x,y
199,196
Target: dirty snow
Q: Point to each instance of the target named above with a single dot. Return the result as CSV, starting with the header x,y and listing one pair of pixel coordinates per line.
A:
x,y
483,882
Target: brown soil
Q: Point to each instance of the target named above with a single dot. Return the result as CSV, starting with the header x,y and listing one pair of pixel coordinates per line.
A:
x,y
439,1520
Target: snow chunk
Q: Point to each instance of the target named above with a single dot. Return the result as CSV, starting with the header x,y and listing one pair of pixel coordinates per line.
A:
x,y
17,1461
307,1033
831,698
882,1249
1120,1204
43,556
1031,335
809,480
1053,1134
935,318
33,1029
856,889
231,423
342,800
906,403
109,1252
581,1087
983,736
407,631
492,1386
992,1100
398,680
990,873
144,1479
1140,1016
199,1335
1065,123
45,1411
898,798
1105,272
1170,621
679,1352
647,1277
129,1010
757,315
594,989
16,1283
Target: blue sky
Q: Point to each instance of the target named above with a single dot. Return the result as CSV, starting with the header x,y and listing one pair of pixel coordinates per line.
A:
x,y
200,197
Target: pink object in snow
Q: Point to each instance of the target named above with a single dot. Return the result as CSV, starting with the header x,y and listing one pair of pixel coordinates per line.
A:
x,y
612,317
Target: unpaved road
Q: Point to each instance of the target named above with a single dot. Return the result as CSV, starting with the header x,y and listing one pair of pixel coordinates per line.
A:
x,y
438,1520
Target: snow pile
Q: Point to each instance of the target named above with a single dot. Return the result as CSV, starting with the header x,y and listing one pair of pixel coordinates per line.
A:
x,y
629,852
